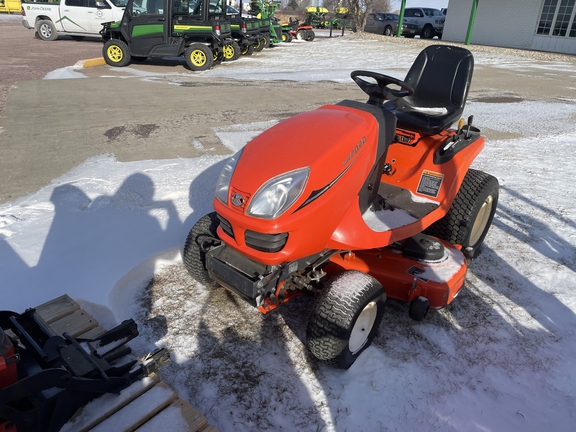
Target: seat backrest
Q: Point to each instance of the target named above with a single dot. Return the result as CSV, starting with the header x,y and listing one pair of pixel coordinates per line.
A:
x,y
441,77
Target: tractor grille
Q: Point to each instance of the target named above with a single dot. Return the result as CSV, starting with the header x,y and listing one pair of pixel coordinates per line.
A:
x,y
266,242
226,227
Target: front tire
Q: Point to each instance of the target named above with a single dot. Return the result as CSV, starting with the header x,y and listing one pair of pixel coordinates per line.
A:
x,y
46,30
471,213
199,57
301,35
116,53
346,318
202,236
388,31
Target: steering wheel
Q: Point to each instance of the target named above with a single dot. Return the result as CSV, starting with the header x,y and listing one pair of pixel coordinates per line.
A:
x,y
379,92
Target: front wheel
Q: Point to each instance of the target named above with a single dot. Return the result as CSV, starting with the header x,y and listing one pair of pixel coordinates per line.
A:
x,y
471,213
301,35
388,31
202,237
46,30
116,53
346,318
199,57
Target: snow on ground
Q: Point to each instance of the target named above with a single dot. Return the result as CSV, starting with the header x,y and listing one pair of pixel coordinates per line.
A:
x,y
501,357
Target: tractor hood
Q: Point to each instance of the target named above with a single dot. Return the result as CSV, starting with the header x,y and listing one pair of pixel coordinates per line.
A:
x,y
321,148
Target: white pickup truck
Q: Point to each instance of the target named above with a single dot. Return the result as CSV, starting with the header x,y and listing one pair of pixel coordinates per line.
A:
x,y
76,18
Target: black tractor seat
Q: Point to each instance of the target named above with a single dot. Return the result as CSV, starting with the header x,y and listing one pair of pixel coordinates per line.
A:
x,y
441,77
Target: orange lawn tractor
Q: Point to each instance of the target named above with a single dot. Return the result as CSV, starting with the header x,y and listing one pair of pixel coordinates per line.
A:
x,y
355,203
294,30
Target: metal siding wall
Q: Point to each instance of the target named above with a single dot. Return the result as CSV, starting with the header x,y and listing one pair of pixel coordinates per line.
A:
x,y
510,23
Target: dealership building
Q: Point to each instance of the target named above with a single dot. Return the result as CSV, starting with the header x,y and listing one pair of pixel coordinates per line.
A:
x,y
546,25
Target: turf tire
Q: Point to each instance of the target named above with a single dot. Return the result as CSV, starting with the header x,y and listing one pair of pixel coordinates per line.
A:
x,y
201,237
332,333
471,213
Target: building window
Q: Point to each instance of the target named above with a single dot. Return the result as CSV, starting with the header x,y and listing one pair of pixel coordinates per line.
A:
x,y
556,18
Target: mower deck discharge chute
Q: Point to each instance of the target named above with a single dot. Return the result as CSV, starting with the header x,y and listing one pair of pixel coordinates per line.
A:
x,y
45,378
355,203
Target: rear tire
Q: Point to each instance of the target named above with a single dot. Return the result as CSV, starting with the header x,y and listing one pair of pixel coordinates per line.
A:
x,y
247,49
427,32
310,35
471,213
46,30
346,318
199,57
231,51
259,45
201,237
116,53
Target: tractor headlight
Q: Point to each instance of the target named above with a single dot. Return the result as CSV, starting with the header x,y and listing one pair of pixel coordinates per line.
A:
x,y
277,195
223,183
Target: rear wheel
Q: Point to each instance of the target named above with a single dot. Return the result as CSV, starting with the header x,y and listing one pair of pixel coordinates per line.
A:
x,y
427,32
231,51
199,57
470,216
310,35
247,49
258,45
346,318
202,236
46,30
116,53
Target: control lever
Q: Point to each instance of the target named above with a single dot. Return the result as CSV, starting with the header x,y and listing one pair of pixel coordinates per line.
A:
x,y
470,119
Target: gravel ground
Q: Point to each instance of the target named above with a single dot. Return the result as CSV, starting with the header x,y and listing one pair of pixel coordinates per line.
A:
x,y
24,57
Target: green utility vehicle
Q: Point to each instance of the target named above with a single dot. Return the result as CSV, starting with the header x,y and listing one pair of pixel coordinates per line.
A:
x,y
170,28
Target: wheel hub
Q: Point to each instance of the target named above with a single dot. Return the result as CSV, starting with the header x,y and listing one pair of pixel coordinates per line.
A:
x,y
481,220
362,327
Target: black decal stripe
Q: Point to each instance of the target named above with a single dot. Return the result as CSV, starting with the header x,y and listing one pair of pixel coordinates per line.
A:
x,y
317,193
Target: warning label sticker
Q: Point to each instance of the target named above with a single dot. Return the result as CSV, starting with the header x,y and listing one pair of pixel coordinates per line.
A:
x,y
430,183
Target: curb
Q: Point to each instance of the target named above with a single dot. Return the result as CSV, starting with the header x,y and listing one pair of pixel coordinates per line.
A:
x,y
90,62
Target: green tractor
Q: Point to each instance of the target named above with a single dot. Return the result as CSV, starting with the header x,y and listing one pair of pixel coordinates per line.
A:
x,y
270,28
170,28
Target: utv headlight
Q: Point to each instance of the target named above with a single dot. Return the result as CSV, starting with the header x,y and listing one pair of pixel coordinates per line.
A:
x,y
277,195
223,183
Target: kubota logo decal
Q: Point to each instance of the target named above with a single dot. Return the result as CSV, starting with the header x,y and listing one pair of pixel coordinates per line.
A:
x,y
237,200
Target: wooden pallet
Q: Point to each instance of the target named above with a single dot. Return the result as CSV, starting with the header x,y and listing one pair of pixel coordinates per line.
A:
x,y
147,405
